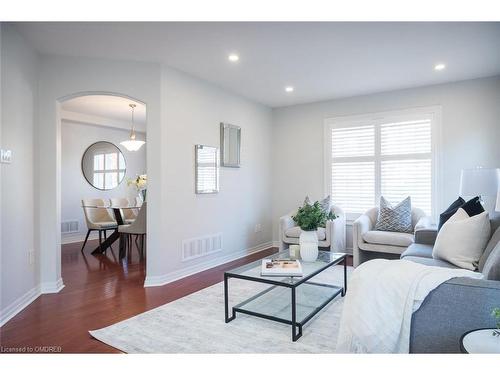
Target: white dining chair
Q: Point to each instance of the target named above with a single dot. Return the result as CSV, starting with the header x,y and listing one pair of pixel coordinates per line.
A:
x,y
138,227
128,214
97,218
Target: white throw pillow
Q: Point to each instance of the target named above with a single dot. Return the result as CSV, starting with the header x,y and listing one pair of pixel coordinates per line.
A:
x,y
462,239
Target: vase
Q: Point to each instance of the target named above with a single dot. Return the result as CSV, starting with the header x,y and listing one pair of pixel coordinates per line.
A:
x,y
308,245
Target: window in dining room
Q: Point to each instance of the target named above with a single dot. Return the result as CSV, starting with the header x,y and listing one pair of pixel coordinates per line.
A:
x,y
109,169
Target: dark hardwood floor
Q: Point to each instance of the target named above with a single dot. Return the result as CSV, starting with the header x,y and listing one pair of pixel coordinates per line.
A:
x,y
99,291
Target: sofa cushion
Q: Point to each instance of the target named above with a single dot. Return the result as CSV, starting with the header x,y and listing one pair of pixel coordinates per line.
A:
x,y
473,207
295,233
450,211
462,239
430,262
388,238
494,240
395,219
418,250
491,269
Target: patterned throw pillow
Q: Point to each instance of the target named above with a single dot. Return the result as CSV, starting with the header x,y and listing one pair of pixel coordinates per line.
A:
x,y
395,219
325,203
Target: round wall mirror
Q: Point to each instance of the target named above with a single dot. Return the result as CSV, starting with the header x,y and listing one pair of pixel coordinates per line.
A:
x,y
103,165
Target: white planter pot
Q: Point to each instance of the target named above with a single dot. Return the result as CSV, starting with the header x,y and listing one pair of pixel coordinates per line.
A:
x,y
308,245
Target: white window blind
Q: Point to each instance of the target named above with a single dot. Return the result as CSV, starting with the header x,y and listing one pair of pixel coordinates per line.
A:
x,y
207,169
389,155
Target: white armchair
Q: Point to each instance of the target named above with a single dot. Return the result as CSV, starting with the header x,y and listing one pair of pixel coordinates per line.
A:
x,y
332,236
368,243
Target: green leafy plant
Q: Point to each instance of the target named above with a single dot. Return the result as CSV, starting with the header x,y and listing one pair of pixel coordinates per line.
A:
x,y
496,314
312,216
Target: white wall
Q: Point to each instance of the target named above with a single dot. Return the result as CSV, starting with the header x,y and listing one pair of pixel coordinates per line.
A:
x,y
192,111
76,137
60,78
470,136
19,279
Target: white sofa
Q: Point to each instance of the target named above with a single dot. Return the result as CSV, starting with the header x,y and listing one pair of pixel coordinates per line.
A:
x,y
368,243
332,236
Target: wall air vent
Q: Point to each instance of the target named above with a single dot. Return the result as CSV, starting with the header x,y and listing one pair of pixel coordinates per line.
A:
x,y
201,246
70,226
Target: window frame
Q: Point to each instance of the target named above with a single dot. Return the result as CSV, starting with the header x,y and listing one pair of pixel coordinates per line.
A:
x,y
377,119
105,171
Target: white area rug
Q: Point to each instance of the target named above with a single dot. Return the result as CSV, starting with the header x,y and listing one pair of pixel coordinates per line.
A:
x,y
195,324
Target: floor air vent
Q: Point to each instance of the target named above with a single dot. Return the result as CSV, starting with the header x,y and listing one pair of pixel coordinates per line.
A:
x,y
69,226
201,246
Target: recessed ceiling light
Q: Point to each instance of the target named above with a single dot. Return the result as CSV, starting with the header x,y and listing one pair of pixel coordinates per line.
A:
x,y
439,67
233,57
289,89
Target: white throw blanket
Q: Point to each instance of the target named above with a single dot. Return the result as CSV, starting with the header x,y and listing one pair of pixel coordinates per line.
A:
x,y
381,298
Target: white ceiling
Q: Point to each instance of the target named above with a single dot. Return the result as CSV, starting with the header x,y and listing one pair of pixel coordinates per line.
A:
x,y
107,106
321,60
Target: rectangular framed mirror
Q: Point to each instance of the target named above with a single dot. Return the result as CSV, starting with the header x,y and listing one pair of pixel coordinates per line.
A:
x,y
206,169
230,143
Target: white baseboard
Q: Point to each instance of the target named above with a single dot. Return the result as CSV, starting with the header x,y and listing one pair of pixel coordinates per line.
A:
x,y
52,287
19,304
190,270
78,237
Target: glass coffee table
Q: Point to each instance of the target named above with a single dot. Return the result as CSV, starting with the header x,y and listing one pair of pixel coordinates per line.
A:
x,y
290,300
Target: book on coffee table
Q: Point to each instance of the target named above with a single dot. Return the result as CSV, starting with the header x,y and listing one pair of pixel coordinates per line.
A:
x,y
281,267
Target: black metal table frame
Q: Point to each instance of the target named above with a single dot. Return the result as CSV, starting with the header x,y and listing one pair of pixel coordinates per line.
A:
x,y
100,249
275,283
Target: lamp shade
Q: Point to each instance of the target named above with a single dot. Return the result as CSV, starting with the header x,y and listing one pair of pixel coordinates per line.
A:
x,y
497,207
132,144
479,181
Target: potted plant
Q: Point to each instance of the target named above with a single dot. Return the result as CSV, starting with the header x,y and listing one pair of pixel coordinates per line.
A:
x,y
495,313
309,218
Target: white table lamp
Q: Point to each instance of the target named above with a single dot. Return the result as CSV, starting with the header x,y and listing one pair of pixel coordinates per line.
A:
x,y
497,208
480,181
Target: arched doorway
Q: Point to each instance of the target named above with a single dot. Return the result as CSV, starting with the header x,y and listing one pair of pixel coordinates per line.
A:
x,y
89,120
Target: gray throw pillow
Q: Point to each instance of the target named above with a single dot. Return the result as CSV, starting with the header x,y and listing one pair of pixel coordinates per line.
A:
x,y
395,219
491,269
489,248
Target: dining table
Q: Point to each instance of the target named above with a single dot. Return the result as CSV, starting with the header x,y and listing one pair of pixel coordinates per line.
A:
x,y
117,212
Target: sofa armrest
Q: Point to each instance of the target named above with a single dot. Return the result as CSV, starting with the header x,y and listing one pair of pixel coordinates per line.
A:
x,y
425,231
286,222
362,225
453,308
336,232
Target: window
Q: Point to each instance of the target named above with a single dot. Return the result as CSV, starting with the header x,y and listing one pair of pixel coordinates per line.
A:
x,y
389,154
109,170
207,169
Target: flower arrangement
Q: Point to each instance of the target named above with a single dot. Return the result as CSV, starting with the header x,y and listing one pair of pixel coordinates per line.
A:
x,y
140,183
311,216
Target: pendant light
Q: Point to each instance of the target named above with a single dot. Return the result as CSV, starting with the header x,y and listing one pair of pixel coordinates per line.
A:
x,y
132,144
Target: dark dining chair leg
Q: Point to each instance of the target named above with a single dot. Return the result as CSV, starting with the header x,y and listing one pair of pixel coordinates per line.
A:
x,y
86,238
139,245
100,238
